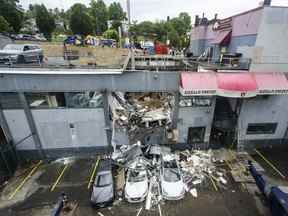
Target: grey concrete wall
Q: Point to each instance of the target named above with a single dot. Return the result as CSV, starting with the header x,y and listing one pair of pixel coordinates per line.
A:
x,y
19,128
274,109
60,128
195,117
271,48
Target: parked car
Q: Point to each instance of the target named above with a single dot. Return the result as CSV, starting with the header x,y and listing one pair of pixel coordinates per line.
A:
x,y
103,188
172,184
21,54
136,187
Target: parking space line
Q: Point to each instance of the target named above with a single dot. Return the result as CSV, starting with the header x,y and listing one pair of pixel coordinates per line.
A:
x,y
59,177
270,164
26,179
93,174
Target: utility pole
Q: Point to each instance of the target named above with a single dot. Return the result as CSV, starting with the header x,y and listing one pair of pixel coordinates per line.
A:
x,y
129,35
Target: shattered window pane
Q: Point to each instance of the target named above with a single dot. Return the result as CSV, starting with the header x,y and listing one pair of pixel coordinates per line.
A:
x,y
135,176
171,175
84,100
104,180
45,100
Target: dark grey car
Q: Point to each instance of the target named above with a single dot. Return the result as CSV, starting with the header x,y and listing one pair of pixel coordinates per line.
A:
x,y
103,188
21,54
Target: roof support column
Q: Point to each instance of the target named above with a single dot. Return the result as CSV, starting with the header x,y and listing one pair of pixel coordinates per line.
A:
x,y
175,110
108,128
32,125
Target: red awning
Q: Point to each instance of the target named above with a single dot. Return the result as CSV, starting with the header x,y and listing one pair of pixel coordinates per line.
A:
x,y
271,83
236,85
222,37
196,83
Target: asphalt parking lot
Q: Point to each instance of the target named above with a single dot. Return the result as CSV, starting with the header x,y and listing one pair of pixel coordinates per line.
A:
x,y
231,200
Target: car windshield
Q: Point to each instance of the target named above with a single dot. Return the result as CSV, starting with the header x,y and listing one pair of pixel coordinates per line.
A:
x,y
13,47
104,180
136,176
171,175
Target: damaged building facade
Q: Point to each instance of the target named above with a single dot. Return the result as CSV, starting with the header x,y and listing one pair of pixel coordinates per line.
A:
x,y
51,113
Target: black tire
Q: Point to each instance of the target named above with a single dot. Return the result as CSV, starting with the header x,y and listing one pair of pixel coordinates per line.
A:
x,y
21,59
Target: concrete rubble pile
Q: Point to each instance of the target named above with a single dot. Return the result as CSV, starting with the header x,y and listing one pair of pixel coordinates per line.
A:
x,y
137,110
199,166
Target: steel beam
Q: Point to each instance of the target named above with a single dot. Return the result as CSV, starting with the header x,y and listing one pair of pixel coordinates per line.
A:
x,y
32,125
136,81
108,128
176,110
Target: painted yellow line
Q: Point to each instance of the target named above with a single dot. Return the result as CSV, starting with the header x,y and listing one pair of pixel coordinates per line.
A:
x,y
93,174
26,179
213,183
270,164
59,178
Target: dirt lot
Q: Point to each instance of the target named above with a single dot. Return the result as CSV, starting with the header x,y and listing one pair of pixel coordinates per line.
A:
x,y
102,56
231,200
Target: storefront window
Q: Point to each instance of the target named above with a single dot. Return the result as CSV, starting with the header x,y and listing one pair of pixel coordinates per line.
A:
x,y
10,101
265,128
45,100
84,100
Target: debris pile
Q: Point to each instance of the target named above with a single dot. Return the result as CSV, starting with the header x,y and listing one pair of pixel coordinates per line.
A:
x,y
137,111
197,166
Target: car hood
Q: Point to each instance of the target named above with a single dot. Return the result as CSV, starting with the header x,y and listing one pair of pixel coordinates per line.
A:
x,y
9,52
136,189
173,189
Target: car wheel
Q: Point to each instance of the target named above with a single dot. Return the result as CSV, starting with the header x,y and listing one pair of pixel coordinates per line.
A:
x,y
21,59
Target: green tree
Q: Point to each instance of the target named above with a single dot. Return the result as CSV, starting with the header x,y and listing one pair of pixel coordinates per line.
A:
x,y
99,15
45,21
186,18
111,34
174,38
79,21
12,13
116,15
4,25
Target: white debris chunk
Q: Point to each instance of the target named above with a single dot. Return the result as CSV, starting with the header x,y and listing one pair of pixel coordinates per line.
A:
x,y
196,182
193,192
100,214
159,208
223,180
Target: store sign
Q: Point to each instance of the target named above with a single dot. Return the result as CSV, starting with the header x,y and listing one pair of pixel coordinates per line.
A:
x,y
197,92
273,92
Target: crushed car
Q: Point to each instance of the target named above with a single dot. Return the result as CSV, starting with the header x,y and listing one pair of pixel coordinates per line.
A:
x,y
172,184
136,187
